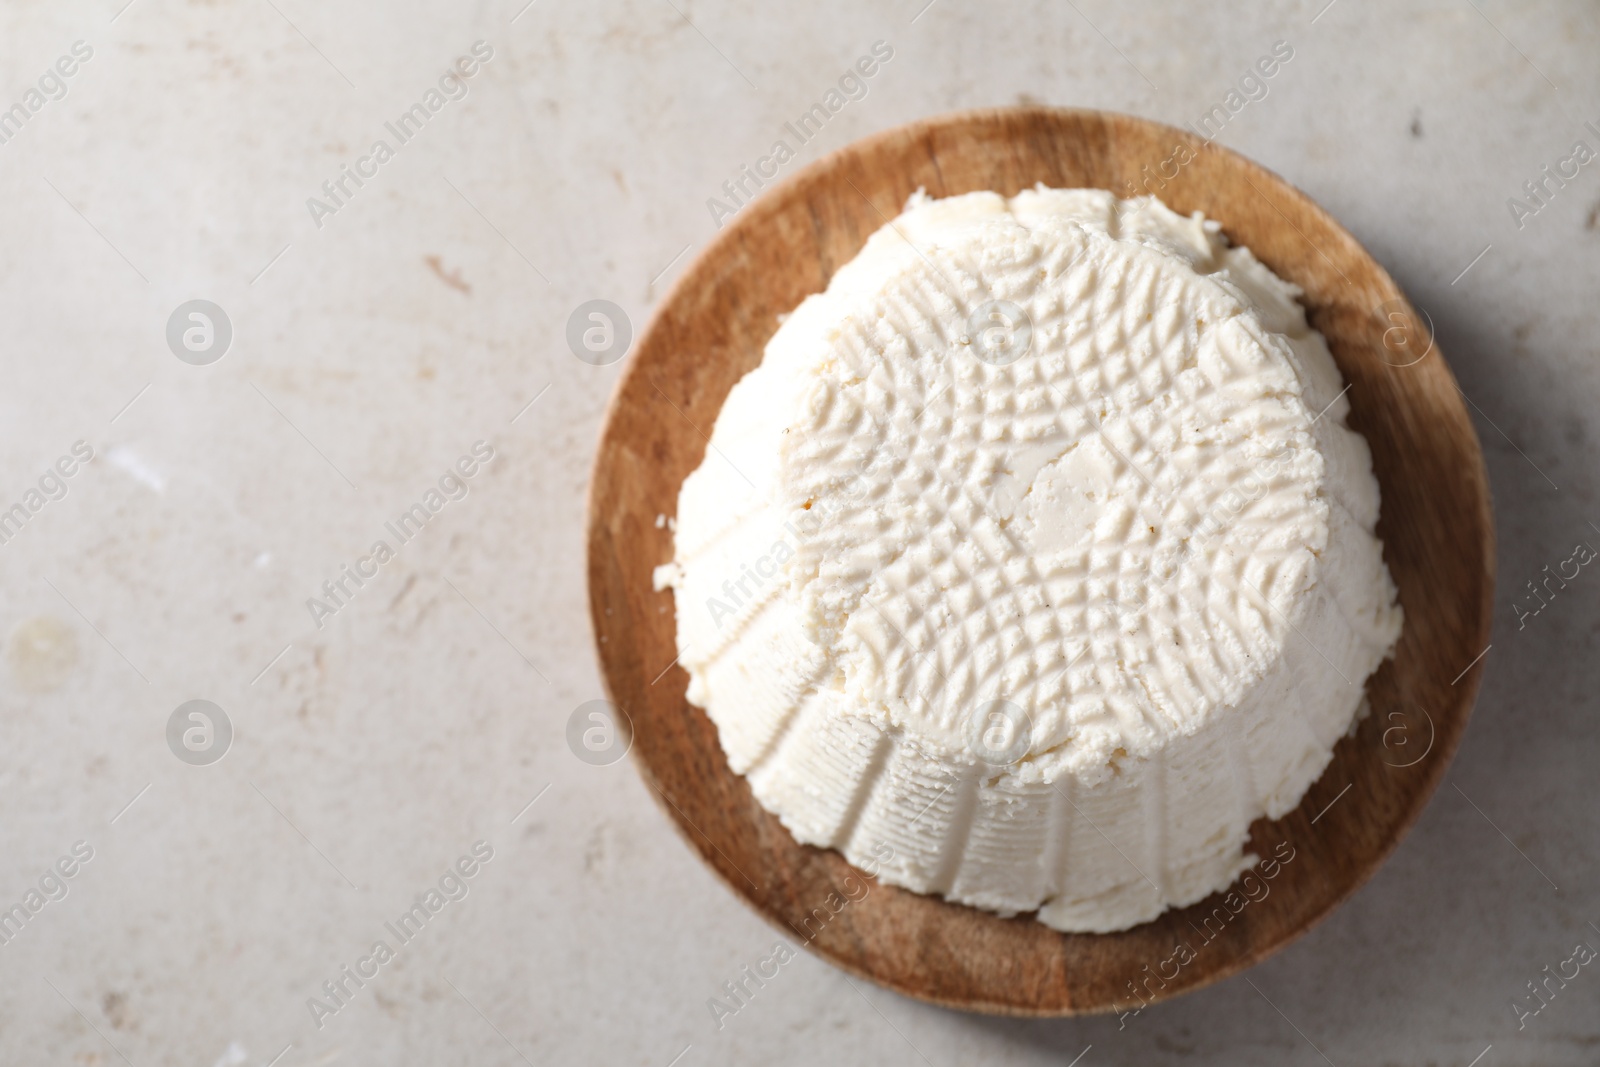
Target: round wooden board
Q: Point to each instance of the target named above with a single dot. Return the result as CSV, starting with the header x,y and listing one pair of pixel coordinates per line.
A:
x,y
1436,529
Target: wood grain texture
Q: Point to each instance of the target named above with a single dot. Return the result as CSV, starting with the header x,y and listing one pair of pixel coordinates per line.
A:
x,y
1436,529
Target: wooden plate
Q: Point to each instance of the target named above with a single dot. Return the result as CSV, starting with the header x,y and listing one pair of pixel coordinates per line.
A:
x,y
1436,529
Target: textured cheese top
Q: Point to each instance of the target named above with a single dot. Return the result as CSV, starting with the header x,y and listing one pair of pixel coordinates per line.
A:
x,y
1037,551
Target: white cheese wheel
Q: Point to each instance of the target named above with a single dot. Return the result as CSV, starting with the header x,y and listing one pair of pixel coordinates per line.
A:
x,y
1037,551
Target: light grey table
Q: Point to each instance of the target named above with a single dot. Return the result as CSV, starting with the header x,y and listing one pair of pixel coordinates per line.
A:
x,y
375,339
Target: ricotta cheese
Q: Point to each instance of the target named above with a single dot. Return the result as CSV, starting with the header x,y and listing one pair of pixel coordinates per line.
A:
x,y
1037,550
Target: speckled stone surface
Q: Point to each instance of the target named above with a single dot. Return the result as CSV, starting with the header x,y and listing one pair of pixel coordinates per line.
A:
x,y
375,343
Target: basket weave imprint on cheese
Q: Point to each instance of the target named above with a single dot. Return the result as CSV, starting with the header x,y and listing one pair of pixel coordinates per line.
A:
x,y
1144,524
